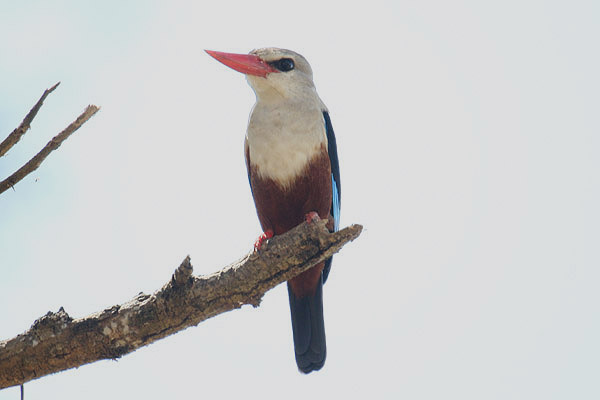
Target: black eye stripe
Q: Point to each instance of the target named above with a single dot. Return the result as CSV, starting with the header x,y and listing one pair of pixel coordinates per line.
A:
x,y
284,64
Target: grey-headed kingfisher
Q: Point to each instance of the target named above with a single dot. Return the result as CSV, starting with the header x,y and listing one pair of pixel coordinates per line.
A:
x,y
294,174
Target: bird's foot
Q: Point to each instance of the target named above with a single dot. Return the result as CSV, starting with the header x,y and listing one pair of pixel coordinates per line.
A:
x,y
268,234
312,217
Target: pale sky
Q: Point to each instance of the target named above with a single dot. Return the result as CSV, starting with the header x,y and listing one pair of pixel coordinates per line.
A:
x,y
468,135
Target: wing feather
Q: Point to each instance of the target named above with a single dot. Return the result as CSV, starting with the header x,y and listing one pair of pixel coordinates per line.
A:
x,y
336,184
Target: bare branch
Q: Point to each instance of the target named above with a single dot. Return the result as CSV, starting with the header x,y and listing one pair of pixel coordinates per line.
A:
x,y
15,135
52,145
57,342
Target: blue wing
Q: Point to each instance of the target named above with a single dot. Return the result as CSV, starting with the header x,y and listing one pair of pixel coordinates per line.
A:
x,y
335,183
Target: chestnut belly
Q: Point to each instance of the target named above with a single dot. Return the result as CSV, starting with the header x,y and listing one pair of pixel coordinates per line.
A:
x,y
281,208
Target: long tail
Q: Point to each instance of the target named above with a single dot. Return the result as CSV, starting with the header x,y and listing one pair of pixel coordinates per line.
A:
x,y
309,329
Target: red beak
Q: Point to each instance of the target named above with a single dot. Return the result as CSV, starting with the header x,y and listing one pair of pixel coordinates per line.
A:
x,y
244,63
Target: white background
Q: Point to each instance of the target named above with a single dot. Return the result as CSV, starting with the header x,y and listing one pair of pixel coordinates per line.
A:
x,y
468,136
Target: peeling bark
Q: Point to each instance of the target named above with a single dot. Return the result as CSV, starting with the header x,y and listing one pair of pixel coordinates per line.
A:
x,y
56,341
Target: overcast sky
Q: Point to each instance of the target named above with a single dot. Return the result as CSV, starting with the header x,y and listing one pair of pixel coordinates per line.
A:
x,y
469,139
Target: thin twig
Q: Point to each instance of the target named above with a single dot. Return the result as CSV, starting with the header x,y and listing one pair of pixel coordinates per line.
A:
x,y
15,135
52,145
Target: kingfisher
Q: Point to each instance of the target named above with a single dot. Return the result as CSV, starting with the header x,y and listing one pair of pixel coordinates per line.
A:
x,y
294,175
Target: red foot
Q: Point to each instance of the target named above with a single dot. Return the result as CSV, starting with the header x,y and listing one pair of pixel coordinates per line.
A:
x,y
262,239
312,217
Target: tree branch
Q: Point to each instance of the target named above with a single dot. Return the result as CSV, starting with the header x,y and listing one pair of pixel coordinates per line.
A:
x,y
56,342
52,145
15,135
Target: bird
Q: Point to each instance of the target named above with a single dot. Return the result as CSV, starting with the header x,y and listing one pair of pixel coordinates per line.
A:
x,y
293,170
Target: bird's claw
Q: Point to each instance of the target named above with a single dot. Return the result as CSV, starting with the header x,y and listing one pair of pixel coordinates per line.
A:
x,y
312,217
268,234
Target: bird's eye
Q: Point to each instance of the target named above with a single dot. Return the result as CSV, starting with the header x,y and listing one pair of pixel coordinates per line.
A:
x,y
284,64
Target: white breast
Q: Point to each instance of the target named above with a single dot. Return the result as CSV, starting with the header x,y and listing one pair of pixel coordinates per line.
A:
x,y
282,138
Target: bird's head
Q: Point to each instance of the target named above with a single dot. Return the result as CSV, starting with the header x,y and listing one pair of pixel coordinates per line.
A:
x,y
272,73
